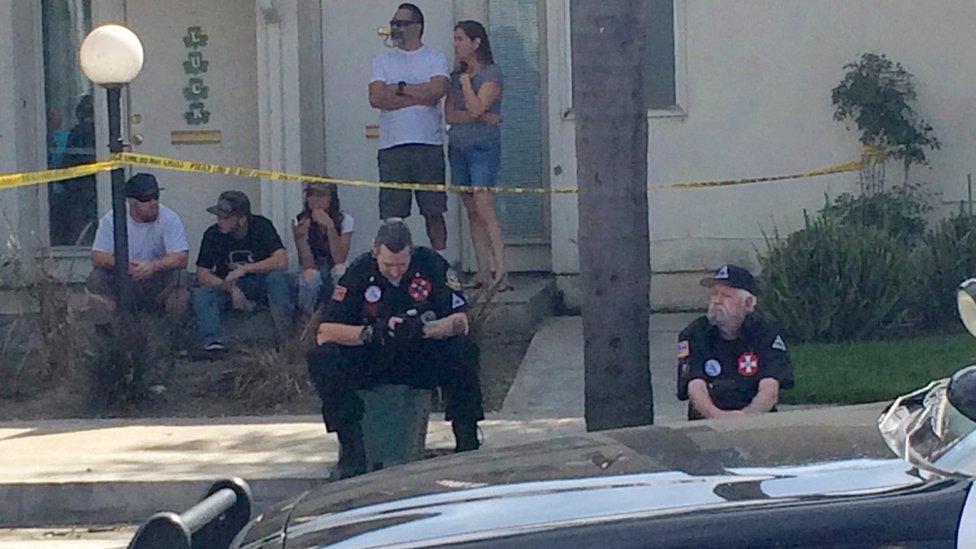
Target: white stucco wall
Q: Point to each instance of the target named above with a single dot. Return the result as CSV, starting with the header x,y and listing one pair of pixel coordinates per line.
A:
x,y
756,95
19,135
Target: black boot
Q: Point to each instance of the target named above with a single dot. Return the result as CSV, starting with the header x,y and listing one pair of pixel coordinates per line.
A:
x,y
465,435
352,453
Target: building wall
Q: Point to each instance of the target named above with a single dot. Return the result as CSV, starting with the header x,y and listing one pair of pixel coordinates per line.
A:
x,y
756,101
19,132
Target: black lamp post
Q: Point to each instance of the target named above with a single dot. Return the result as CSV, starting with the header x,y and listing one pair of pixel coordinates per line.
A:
x,y
111,56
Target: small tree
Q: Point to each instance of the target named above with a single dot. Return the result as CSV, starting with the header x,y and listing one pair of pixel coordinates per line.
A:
x,y
877,95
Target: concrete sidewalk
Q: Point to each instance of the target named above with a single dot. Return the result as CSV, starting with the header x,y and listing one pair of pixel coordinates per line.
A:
x,y
550,380
111,471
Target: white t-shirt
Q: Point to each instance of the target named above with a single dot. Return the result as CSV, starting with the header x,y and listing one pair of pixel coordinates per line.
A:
x,y
147,241
348,224
418,124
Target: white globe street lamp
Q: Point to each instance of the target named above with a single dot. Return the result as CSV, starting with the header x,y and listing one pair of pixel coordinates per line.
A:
x,y
111,56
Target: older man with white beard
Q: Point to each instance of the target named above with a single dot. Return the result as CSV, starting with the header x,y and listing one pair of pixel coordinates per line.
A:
x,y
732,361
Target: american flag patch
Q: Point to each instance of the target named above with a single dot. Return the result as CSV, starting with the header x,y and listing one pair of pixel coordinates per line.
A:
x,y
683,349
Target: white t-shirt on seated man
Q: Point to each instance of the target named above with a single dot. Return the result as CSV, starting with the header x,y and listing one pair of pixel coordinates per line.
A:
x,y
147,241
417,124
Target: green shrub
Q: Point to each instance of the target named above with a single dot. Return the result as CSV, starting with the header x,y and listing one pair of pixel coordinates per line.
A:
x,y
947,257
833,281
899,212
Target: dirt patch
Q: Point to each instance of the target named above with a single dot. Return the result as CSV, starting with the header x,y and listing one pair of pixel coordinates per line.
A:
x,y
188,388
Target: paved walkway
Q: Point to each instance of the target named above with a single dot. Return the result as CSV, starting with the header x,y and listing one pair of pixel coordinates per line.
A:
x,y
110,471
550,380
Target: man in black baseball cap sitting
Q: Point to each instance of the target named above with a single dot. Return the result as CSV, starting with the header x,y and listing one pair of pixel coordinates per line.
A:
x,y
158,253
241,260
732,361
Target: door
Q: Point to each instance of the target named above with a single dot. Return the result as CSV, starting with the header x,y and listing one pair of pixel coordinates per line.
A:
x,y
196,99
350,41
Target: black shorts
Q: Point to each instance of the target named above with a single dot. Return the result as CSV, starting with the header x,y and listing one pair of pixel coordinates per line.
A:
x,y
412,164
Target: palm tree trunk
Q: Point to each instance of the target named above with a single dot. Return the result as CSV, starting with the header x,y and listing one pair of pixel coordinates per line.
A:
x,y
608,48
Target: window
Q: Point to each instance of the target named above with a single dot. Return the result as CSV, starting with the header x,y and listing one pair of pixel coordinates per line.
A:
x,y
659,72
513,30
70,121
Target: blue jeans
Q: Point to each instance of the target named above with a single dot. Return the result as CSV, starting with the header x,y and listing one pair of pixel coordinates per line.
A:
x,y
313,292
476,165
272,287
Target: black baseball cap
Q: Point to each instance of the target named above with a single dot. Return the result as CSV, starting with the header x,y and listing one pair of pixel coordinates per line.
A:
x,y
231,203
142,185
733,276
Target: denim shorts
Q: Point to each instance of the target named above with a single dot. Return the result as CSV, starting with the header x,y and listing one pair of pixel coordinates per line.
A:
x,y
475,165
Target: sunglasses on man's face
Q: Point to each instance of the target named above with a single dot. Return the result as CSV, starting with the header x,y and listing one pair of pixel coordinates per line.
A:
x,y
400,23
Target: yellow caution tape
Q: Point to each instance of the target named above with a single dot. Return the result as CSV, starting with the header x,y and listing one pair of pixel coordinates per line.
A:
x,y
840,168
13,180
153,161
186,166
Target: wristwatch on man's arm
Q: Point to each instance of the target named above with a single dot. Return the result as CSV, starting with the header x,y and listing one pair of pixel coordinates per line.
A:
x,y
400,85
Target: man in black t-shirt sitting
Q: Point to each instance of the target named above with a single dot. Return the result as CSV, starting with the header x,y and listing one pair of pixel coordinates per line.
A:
x,y
241,260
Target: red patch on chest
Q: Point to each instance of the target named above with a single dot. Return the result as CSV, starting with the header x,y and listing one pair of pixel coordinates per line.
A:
x,y
419,289
748,364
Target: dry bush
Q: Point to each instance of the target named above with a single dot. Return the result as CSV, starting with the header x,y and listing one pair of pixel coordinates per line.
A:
x,y
272,377
47,341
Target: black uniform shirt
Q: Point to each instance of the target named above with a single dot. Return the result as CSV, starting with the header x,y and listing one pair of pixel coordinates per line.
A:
x,y
732,369
363,294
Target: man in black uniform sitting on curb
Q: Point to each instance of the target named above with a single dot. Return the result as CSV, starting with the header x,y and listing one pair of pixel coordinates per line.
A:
x,y
731,362
397,316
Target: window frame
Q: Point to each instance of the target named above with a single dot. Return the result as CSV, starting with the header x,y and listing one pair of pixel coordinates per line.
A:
x,y
101,11
681,107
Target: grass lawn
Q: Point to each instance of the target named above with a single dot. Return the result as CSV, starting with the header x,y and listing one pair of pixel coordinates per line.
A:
x,y
869,371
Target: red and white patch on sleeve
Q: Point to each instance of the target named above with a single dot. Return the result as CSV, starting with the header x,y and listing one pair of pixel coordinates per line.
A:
x,y
748,364
339,293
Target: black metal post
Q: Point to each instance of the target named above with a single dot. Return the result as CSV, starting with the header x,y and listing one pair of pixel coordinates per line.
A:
x,y
119,214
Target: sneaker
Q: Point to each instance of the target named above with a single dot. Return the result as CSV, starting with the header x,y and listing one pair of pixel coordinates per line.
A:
x,y
214,346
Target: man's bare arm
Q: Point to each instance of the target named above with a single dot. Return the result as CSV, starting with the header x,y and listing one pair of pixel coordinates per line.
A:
x,y
208,278
343,334
172,260
429,93
383,96
102,260
449,326
701,400
277,262
766,398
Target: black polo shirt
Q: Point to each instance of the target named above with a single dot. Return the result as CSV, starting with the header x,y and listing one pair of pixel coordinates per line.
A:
x,y
363,294
733,369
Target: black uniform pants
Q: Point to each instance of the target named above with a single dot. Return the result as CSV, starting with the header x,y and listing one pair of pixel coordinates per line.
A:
x,y
337,371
